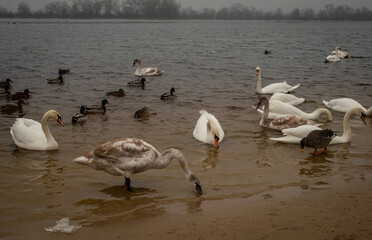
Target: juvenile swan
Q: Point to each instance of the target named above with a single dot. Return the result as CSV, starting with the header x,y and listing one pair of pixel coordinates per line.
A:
x,y
129,156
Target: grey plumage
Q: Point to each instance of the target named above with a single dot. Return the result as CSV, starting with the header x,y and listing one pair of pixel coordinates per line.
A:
x,y
317,139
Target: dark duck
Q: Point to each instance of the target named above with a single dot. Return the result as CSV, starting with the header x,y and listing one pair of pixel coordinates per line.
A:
x,y
169,95
317,139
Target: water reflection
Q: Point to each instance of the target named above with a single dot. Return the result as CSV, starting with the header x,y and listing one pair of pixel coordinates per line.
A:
x,y
212,157
317,166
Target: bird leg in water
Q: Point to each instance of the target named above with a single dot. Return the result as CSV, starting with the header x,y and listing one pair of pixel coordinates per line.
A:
x,y
127,183
320,152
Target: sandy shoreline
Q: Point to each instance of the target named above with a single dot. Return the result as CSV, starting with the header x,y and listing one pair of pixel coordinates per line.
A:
x,y
336,213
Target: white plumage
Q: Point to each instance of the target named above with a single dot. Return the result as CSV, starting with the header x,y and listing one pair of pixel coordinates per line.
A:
x,y
282,87
345,104
207,127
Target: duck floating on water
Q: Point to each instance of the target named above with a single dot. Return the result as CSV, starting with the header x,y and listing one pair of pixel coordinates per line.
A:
x,y
11,108
5,83
97,109
119,93
168,96
137,83
142,113
127,156
78,115
21,95
55,80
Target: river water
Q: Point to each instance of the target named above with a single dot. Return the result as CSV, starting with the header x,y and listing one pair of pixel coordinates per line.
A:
x,y
211,64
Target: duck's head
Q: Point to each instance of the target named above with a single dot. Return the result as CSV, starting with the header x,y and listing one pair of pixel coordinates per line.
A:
x,y
82,110
26,91
136,61
104,102
121,90
258,69
8,80
172,90
20,102
303,143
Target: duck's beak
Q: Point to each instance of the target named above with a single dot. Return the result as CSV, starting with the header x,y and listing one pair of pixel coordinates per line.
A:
x,y
216,141
59,120
363,117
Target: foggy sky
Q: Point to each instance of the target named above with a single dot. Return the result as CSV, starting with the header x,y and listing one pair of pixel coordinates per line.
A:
x,y
266,5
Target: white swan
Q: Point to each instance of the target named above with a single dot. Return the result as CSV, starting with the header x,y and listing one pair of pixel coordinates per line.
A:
x,y
32,135
129,156
342,54
294,135
345,104
281,122
282,87
279,109
147,71
208,129
287,98
333,58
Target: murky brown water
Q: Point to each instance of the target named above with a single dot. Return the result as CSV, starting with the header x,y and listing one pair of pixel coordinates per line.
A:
x,y
39,188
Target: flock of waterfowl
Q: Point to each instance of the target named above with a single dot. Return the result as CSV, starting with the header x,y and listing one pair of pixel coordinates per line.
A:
x,y
129,156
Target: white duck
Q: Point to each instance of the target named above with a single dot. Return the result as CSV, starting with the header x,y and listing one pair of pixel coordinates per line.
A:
x,y
345,104
281,122
279,109
32,135
294,135
282,87
208,129
147,71
342,54
333,58
129,156
287,98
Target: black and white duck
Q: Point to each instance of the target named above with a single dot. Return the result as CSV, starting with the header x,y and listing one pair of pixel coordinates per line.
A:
x,y
169,95
97,109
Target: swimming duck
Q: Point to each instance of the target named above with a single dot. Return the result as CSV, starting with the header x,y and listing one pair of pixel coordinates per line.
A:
x,y
345,104
6,83
10,108
317,139
32,135
119,93
21,95
282,87
129,156
169,95
279,109
56,80
147,71
281,122
267,52
137,83
142,113
333,58
287,98
294,135
97,109
208,129
63,71
78,115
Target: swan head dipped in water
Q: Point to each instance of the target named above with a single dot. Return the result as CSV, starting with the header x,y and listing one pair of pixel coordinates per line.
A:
x,y
129,156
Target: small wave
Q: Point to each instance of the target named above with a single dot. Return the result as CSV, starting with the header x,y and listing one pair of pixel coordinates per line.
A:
x,y
64,226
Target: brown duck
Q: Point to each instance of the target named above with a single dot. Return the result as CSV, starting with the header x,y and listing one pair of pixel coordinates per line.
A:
x,y
317,139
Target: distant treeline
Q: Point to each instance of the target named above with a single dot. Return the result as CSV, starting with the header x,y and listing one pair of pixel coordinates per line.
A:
x,y
170,9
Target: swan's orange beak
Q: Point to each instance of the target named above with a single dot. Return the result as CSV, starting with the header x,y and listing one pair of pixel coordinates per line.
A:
x,y
363,117
216,142
59,120
302,150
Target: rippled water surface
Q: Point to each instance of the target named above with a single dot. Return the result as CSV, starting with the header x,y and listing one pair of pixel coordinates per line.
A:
x,y
211,64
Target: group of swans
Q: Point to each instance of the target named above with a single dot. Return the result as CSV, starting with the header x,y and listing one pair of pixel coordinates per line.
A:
x,y
336,55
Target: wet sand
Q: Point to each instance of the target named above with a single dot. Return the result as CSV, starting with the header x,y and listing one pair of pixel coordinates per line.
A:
x,y
339,212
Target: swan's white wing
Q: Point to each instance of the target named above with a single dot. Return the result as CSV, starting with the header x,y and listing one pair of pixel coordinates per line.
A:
x,y
287,139
287,98
301,131
276,88
342,104
28,134
214,119
201,132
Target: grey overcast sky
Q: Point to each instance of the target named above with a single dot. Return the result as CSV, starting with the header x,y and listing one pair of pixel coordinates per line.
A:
x,y
266,5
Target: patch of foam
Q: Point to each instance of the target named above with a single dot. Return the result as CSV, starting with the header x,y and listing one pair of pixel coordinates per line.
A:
x,y
64,226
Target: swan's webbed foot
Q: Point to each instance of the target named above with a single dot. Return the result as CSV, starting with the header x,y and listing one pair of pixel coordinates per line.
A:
x,y
315,153
127,184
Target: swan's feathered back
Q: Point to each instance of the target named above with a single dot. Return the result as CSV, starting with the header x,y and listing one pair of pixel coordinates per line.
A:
x,y
203,132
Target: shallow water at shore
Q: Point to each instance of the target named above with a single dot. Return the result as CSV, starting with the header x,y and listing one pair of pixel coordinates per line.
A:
x,y
40,188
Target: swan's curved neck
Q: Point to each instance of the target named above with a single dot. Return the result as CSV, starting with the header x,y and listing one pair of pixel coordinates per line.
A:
x,y
138,68
336,52
166,158
346,125
259,83
45,127
316,114
265,114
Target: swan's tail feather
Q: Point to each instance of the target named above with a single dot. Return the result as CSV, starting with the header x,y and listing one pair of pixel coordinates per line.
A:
x,y
293,88
81,160
325,103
